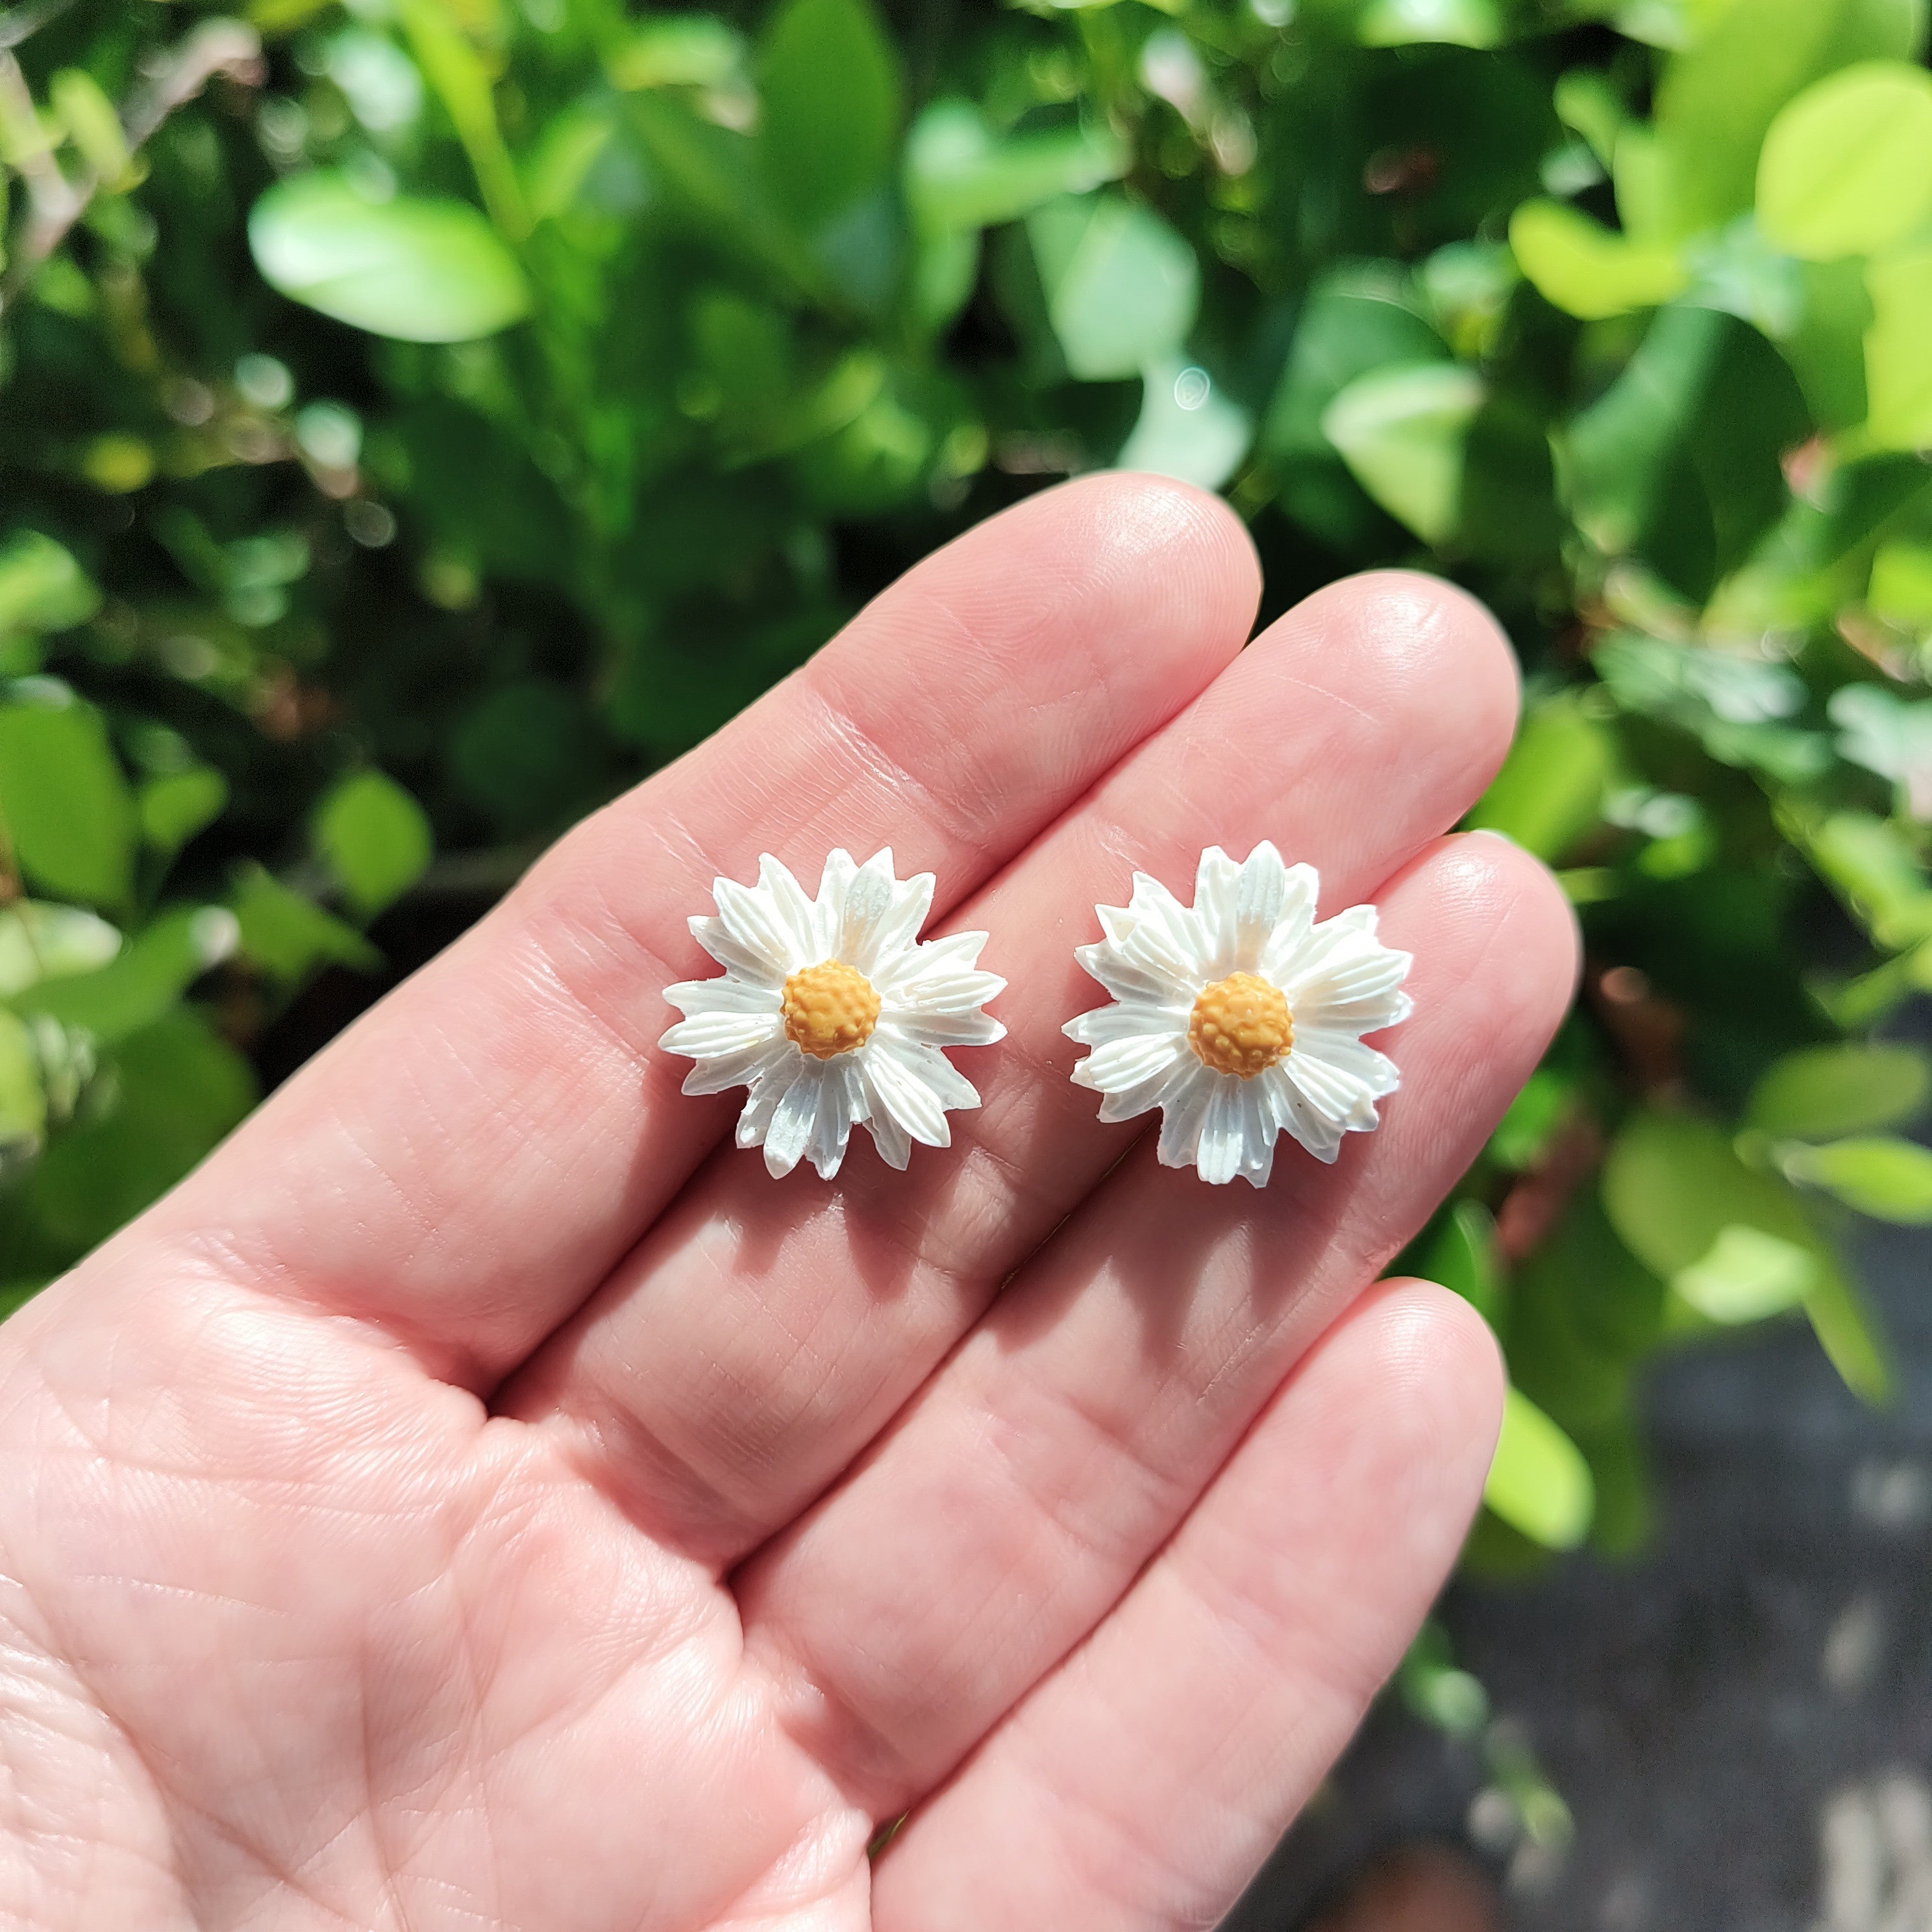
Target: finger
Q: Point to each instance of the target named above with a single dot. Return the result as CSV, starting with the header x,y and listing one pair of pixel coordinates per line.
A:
x,y
466,1163
1143,1784
1029,1480
760,1336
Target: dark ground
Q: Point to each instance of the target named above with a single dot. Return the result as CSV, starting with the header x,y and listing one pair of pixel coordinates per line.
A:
x,y
1740,1720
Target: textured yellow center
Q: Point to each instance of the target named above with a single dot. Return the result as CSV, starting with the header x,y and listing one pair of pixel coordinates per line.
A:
x,y
829,1010
1241,1025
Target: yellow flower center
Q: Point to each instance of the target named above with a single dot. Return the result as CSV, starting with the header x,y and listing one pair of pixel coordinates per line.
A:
x,y
829,1010
1241,1025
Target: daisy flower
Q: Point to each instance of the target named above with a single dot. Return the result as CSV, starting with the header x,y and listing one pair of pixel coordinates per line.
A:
x,y
1241,1018
833,1013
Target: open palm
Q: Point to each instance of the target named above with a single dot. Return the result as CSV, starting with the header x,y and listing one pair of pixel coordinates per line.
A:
x,y
480,1497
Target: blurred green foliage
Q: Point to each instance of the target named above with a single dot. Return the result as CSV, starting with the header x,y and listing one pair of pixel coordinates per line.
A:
x,y
421,417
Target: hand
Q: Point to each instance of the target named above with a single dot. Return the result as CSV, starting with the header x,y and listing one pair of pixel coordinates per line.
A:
x,y
480,1497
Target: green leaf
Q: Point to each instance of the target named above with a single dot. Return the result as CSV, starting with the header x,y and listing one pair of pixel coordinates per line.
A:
x,y
41,587
1888,736
1819,1093
1898,350
287,935
1850,1336
1344,332
1900,589
1187,428
1122,288
455,69
415,269
676,50
1846,167
374,838
1402,432
1550,789
1747,1275
174,806
1539,1483
1462,1256
1587,269
1888,1178
958,176
181,1089
23,1101
1679,460
828,81
1872,864
39,941
1718,98
1457,23
94,125
65,803
143,980
1672,1184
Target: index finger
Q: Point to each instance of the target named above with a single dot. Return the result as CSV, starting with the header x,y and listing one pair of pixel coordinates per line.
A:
x,y
464,1166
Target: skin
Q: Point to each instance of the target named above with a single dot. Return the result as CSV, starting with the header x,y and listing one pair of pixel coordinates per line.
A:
x,y
479,1497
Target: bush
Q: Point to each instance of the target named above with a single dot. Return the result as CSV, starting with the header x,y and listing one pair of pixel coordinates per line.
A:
x,y
422,419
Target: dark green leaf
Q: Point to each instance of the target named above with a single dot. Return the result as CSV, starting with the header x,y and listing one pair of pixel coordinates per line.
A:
x,y
829,82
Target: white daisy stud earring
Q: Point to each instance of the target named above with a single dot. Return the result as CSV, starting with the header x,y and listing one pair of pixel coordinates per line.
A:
x,y
831,1012
1241,1018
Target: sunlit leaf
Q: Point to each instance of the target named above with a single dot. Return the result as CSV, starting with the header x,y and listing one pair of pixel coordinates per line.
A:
x,y
40,941
1122,287
417,269
1898,350
1746,1275
959,174
1188,428
1402,431
1539,1483
1847,166
1587,269
1460,23
41,586
1888,1178
144,980
1819,1093
289,936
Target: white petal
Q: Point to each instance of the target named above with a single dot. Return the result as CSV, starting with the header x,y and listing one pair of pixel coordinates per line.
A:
x,y
893,1142
1132,980
967,1029
1258,1126
765,1097
1296,1115
1276,904
1182,1116
1166,938
792,1120
894,933
1127,1063
867,907
792,909
1156,1091
841,1101
711,1033
1215,881
738,1069
755,922
829,912
724,995
1224,1140
1124,1018
901,1093
747,963
1375,1071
